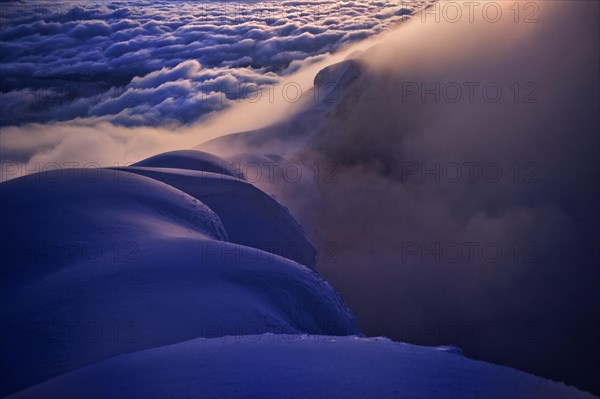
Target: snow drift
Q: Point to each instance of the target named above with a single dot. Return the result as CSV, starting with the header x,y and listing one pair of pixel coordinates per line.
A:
x,y
297,366
98,263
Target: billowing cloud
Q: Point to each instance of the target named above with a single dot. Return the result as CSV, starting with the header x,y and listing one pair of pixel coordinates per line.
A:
x,y
470,218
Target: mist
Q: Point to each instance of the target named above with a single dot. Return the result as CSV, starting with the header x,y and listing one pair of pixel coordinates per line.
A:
x,y
461,199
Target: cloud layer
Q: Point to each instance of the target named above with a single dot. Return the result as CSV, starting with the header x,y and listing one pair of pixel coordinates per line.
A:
x,y
164,62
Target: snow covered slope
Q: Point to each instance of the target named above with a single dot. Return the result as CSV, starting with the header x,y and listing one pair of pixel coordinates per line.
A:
x,y
100,262
192,160
297,366
250,216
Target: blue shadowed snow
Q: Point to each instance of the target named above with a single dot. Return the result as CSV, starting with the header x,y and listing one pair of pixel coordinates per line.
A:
x,y
98,263
297,366
250,216
192,160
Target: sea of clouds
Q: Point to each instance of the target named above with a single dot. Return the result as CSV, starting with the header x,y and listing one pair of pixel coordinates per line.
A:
x,y
157,63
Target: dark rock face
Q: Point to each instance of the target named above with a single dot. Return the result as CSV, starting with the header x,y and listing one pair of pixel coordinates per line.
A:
x,y
338,75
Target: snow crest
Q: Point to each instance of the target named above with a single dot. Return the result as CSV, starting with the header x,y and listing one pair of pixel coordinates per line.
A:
x,y
100,263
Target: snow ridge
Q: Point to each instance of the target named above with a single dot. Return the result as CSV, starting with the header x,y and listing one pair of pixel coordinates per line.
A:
x,y
95,264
